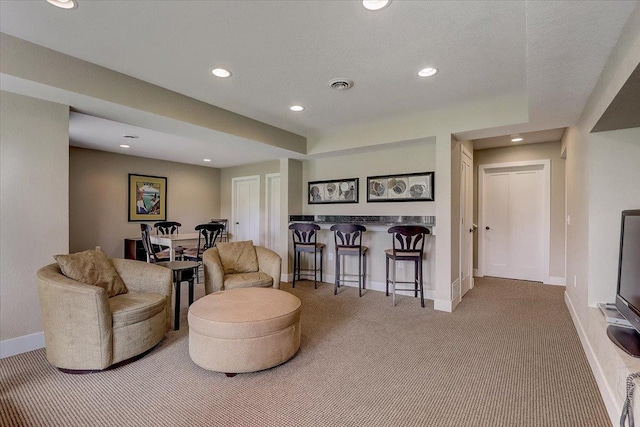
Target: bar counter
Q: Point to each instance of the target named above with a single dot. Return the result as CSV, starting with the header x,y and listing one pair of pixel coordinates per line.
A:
x,y
427,221
377,240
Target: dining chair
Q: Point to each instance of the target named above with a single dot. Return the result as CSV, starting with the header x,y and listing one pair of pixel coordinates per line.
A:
x,y
166,228
153,255
348,242
207,235
305,241
408,245
224,236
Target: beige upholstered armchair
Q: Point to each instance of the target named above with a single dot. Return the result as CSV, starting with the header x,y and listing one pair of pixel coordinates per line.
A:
x,y
240,265
85,329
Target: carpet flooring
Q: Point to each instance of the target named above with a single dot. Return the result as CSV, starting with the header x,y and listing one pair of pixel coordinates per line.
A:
x,y
508,356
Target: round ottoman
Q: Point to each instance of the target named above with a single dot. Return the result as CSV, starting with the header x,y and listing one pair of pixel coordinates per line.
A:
x,y
244,329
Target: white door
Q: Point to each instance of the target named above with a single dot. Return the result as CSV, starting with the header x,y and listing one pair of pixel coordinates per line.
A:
x,y
515,220
245,208
466,222
273,212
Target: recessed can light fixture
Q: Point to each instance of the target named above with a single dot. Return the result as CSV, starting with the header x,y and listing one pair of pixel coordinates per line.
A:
x,y
220,72
296,108
516,138
375,4
64,4
427,72
206,160
124,146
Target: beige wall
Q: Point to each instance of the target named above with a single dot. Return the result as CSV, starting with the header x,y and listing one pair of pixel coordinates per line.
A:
x,y
418,156
226,176
98,203
456,158
34,221
547,150
590,157
614,186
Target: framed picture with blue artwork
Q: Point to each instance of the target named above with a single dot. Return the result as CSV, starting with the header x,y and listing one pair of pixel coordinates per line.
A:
x,y
147,198
333,191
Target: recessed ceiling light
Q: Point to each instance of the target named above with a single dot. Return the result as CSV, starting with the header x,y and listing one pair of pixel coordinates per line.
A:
x,y
124,146
375,4
206,160
296,108
516,138
427,72
64,4
220,72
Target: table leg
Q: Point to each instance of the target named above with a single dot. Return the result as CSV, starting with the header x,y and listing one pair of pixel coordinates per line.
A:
x,y
190,291
176,314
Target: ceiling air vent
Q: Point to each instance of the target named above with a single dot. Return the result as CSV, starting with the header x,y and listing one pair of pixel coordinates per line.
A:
x,y
340,84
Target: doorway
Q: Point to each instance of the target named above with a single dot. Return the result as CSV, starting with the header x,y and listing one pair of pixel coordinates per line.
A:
x,y
514,216
245,208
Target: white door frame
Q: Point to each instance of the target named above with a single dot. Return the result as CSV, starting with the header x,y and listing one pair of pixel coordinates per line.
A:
x,y
234,215
464,228
269,210
546,226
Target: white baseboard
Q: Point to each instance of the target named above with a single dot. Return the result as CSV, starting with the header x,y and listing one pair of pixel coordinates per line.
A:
x,y
556,281
371,286
476,273
284,277
610,402
23,344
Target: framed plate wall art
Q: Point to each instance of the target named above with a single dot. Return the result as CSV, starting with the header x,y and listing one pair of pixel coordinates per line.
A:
x,y
333,191
408,187
147,198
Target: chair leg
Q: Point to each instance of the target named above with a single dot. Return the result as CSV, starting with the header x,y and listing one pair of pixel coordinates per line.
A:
x,y
295,268
190,291
321,256
337,281
415,282
387,276
364,271
360,279
421,286
315,270
393,288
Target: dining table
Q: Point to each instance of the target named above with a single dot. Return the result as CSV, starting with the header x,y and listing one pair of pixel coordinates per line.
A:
x,y
174,240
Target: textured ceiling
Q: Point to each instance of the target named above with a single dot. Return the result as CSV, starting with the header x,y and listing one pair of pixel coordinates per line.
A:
x,y
281,53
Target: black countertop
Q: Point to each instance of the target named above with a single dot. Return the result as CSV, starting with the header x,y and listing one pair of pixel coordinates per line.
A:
x,y
429,221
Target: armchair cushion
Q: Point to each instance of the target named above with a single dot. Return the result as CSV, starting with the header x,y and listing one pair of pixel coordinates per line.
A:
x,y
92,267
257,279
134,307
238,257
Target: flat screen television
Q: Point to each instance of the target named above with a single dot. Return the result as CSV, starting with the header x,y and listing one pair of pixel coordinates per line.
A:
x,y
628,291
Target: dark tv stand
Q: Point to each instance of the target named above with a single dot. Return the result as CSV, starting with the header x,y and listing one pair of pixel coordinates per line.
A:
x,y
625,338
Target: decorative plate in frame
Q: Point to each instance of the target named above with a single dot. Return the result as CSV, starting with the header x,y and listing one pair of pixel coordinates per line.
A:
x,y
408,187
333,191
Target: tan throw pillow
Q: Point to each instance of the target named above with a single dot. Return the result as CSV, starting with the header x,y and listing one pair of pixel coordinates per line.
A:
x,y
92,268
238,257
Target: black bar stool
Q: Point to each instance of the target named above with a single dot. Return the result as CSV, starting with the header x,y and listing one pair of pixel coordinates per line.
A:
x,y
408,245
305,241
348,240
